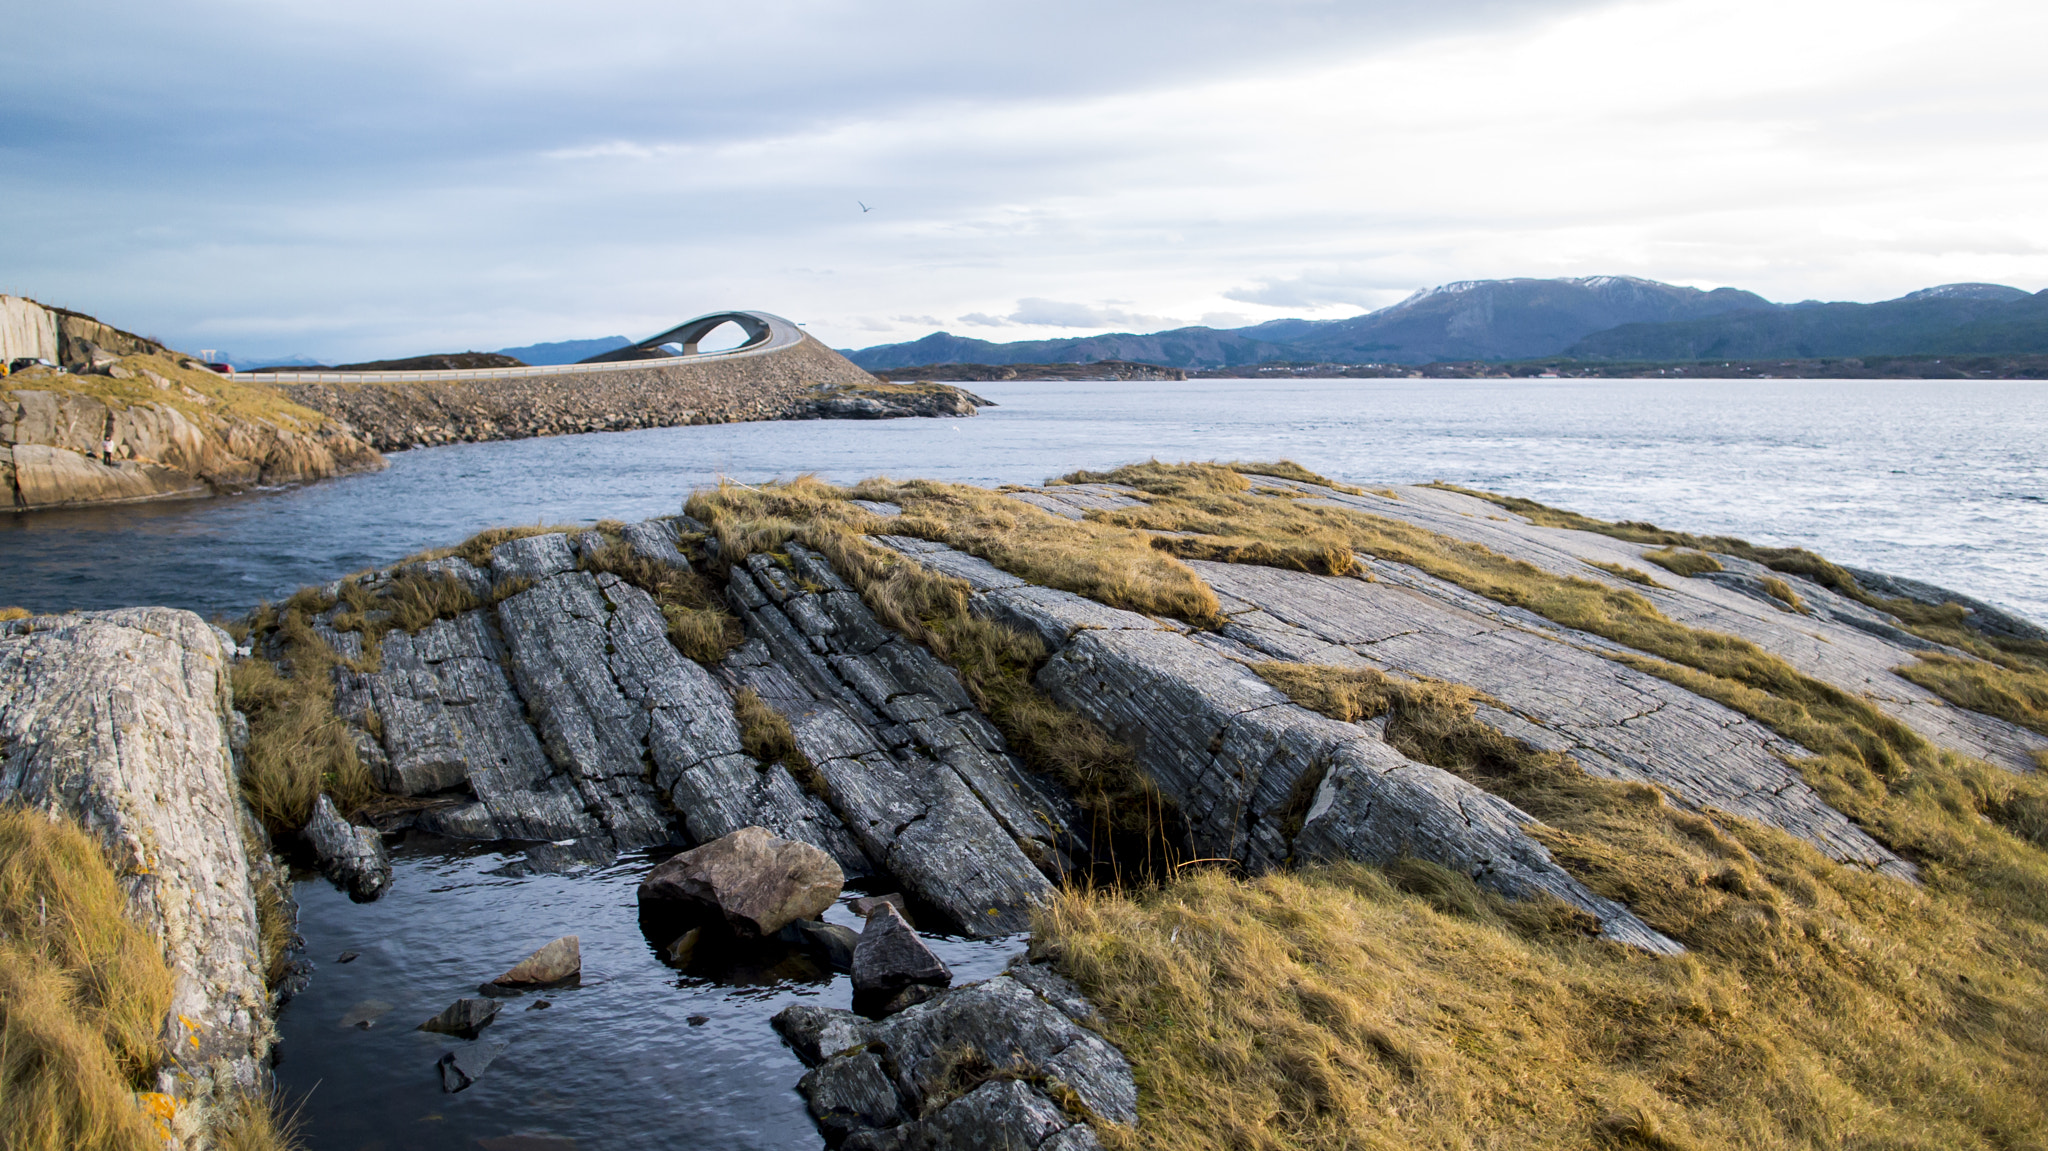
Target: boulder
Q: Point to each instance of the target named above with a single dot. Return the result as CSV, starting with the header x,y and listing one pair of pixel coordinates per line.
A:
x,y
818,1033
353,857
757,881
558,961
464,1018
891,957
465,1065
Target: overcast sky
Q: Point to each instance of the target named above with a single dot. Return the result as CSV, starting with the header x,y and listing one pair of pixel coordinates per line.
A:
x,y
384,178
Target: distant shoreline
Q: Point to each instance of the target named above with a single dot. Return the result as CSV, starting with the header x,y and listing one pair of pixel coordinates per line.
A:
x,y
2006,367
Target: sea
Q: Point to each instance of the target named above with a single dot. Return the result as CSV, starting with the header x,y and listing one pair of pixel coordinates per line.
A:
x,y
1939,480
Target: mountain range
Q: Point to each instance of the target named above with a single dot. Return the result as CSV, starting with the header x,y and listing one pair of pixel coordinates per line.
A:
x,y
1590,318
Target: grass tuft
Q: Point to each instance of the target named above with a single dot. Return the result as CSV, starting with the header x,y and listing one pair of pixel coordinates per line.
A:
x,y
13,613
84,993
1679,561
1633,575
2016,695
298,746
1781,591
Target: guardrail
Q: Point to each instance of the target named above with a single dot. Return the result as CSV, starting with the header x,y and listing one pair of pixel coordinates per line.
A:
x,y
781,334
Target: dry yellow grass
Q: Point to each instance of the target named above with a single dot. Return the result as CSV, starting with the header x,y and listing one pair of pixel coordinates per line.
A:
x,y
2015,694
83,994
1346,1006
1781,591
298,746
11,613
1632,575
1683,561
197,393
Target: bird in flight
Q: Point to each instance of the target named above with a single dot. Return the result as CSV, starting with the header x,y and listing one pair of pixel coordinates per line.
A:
x,y
863,207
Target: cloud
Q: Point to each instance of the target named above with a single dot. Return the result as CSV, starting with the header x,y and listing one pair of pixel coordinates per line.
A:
x,y
1045,313
928,321
538,176
1226,320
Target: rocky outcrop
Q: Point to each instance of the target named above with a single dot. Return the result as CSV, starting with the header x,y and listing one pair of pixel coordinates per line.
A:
x,y
564,714
51,441
1006,1062
120,720
658,394
1260,779
891,401
920,779
1839,641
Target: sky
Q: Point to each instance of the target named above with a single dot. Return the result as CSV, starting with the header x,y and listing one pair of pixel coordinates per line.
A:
x,y
381,178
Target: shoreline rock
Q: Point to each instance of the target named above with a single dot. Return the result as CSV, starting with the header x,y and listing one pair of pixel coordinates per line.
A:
x,y
120,721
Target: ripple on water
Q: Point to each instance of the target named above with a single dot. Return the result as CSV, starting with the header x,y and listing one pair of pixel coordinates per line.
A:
x,y
614,1063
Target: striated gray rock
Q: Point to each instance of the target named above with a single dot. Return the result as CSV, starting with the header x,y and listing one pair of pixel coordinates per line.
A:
x,y
354,857
968,1068
757,882
926,787
890,957
1842,642
818,1033
451,718
1559,690
1239,758
119,720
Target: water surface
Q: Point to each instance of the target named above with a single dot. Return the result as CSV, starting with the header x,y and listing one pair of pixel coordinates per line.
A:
x,y
1940,480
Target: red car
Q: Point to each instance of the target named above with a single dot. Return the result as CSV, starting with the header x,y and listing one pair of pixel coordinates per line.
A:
x,y
223,369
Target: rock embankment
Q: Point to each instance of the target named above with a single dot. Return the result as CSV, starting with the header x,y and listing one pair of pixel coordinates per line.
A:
x,y
660,394
122,722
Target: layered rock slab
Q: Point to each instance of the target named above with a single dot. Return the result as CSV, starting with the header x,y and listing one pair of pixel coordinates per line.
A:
x,y
1559,689
119,720
1257,778
1840,642
921,781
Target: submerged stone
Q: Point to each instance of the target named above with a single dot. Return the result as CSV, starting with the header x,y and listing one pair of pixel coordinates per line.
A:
x,y
560,960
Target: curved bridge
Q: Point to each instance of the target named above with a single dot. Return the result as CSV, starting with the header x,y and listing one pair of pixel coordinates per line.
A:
x,y
766,333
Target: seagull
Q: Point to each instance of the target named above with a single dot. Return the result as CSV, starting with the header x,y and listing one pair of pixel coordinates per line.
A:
x,y
864,207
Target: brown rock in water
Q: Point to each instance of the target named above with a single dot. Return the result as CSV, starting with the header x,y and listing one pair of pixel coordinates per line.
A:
x,y
559,960
760,883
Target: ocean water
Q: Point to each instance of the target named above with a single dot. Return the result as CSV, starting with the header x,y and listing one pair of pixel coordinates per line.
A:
x,y
1938,480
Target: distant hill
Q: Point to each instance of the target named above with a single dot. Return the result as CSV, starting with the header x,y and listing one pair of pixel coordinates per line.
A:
x,y
1180,348
564,351
1469,320
1508,319
1599,318
1958,319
